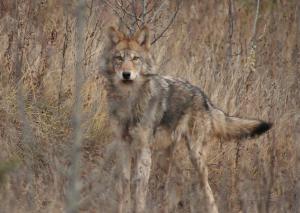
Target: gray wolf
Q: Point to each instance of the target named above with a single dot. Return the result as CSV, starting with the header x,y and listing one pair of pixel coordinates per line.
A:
x,y
143,104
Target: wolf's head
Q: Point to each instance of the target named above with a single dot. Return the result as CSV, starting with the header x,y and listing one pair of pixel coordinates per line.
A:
x,y
128,59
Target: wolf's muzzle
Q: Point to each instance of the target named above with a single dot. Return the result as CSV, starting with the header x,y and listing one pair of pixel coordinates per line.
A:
x,y
126,75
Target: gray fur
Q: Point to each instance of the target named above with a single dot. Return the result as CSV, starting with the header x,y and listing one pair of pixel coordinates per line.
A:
x,y
164,98
141,109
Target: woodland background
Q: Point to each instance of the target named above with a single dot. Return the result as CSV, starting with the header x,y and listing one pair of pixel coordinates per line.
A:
x,y
54,130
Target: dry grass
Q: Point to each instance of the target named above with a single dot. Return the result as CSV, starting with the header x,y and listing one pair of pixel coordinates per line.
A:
x,y
261,81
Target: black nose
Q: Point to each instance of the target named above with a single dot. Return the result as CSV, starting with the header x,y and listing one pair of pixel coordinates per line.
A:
x,y
126,75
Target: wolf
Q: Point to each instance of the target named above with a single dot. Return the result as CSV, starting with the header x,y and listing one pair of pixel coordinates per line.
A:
x,y
144,105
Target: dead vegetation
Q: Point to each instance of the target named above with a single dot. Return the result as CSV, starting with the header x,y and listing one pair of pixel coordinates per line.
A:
x,y
244,54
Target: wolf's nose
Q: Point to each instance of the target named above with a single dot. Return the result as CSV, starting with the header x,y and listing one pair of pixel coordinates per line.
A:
x,y
126,75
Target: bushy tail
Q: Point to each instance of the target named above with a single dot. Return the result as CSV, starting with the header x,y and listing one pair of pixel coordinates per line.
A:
x,y
229,127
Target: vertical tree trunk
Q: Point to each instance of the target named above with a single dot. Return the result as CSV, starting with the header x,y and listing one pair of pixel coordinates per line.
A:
x,y
73,191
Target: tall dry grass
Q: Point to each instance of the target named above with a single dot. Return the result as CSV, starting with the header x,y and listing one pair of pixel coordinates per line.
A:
x,y
210,44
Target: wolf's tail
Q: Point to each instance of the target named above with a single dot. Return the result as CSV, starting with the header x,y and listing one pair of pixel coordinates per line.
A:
x,y
229,127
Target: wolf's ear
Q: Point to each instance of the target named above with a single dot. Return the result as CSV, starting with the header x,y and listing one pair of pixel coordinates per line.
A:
x,y
142,36
115,35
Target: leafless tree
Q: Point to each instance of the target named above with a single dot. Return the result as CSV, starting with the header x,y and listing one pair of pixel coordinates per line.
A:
x,y
134,14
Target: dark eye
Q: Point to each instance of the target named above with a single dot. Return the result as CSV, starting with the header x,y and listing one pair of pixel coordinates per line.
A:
x,y
135,58
118,58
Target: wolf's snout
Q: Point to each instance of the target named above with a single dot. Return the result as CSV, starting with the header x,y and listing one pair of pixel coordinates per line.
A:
x,y
126,75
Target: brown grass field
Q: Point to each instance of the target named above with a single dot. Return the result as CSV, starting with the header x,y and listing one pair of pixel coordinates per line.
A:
x,y
246,60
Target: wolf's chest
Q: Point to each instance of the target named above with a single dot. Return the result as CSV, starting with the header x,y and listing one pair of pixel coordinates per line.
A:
x,y
125,107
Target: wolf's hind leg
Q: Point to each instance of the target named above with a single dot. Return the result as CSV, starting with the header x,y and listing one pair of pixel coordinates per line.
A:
x,y
176,136
197,157
166,197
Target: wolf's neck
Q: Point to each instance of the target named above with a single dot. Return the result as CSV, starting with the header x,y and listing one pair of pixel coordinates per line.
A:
x,y
128,104
126,92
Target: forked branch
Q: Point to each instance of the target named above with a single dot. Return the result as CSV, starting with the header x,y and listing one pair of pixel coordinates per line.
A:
x,y
168,26
134,14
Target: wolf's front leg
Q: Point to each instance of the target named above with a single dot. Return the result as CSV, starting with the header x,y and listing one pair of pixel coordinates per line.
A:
x,y
141,140
123,185
121,146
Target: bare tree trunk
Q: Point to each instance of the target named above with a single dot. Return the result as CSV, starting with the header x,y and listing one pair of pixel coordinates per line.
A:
x,y
296,64
27,139
73,191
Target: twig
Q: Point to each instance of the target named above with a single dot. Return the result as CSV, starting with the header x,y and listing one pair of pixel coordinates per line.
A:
x,y
118,14
63,65
271,176
255,22
230,31
144,2
135,17
167,27
124,9
158,10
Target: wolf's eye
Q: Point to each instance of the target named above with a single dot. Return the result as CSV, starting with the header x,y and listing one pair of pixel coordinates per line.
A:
x,y
135,58
118,58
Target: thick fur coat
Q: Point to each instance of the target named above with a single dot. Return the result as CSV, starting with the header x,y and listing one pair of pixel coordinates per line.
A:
x,y
143,104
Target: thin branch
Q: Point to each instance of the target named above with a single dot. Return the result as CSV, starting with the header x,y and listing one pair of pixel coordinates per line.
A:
x,y
63,65
144,2
118,14
124,9
135,17
158,10
271,175
254,33
168,26
230,30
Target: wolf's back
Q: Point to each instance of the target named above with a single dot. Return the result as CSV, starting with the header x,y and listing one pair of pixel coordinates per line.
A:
x,y
230,127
